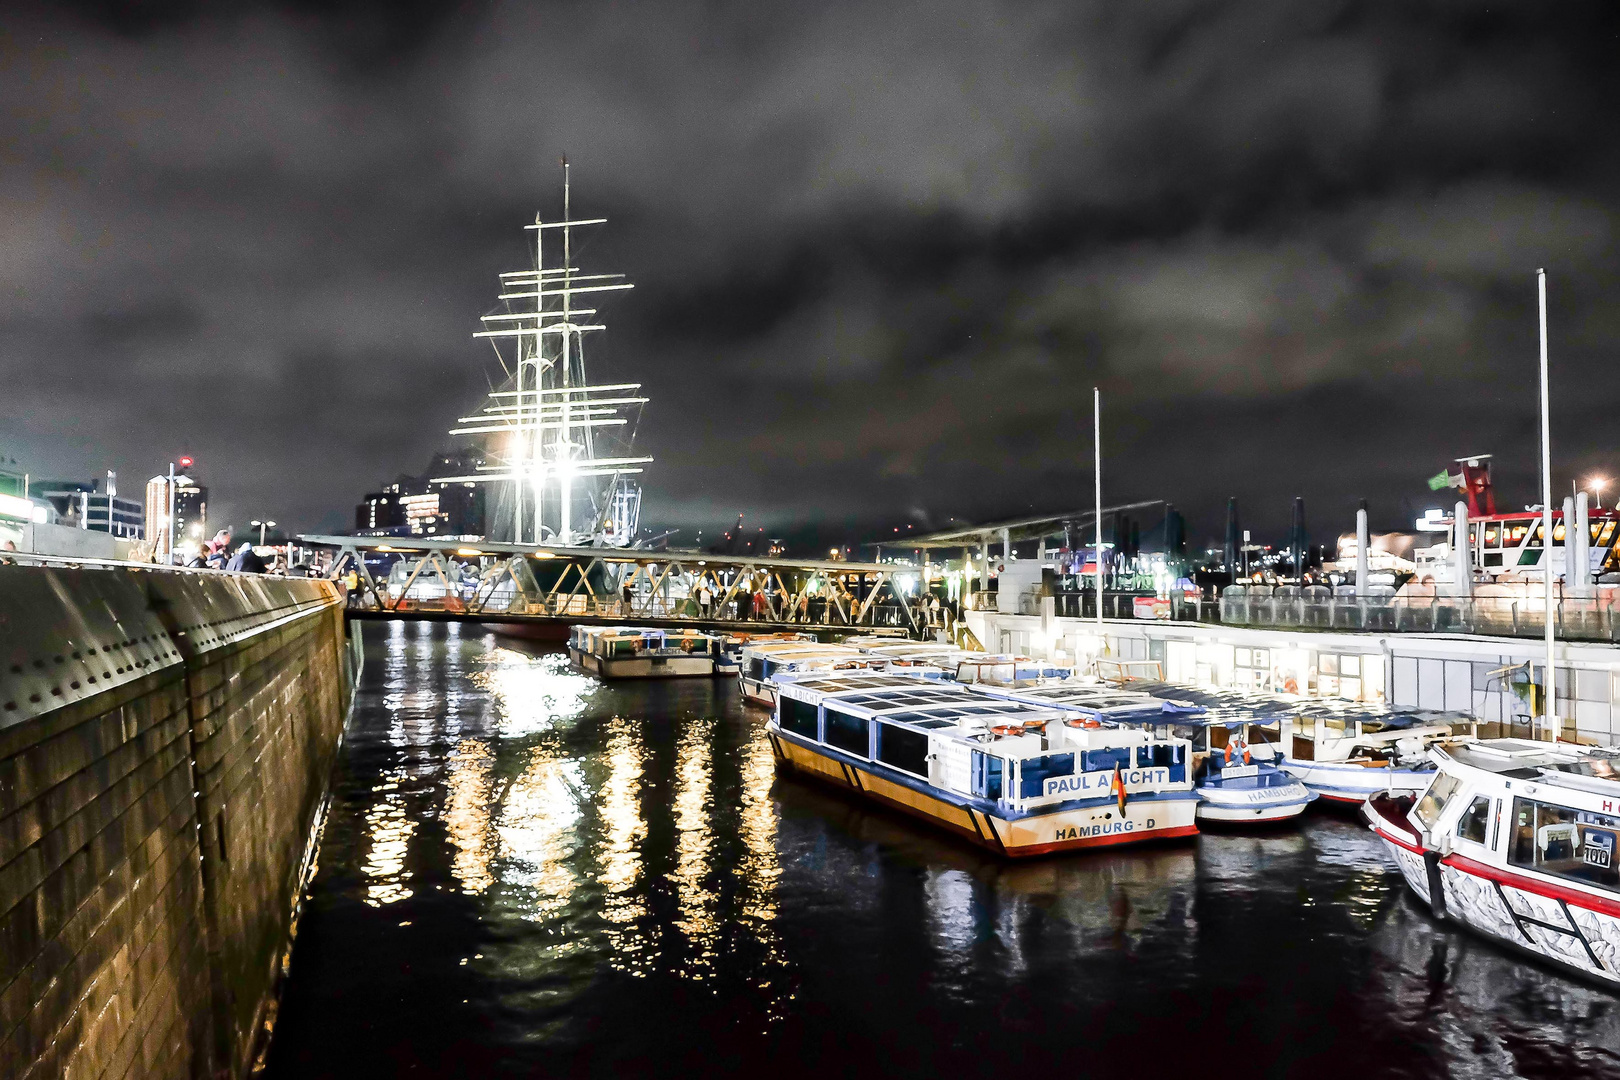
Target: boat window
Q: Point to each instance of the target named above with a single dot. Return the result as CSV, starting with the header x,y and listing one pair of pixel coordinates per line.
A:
x,y
1558,532
1608,534
799,717
1472,825
1036,770
903,749
1096,760
1493,535
756,668
986,775
1565,842
1433,803
848,733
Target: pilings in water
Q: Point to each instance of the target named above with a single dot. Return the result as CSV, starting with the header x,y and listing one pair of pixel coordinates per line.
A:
x,y
166,739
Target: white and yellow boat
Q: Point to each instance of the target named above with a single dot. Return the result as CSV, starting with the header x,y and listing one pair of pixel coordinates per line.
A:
x,y
1018,779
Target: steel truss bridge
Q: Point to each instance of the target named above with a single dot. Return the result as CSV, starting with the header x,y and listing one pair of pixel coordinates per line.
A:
x,y
418,577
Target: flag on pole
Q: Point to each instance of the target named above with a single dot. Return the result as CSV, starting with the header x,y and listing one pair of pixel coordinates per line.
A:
x,y
1440,481
1117,788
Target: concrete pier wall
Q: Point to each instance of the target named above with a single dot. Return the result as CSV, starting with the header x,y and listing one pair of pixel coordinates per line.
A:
x,y
165,742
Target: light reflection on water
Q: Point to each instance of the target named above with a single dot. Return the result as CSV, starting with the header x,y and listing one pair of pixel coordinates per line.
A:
x,y
527,871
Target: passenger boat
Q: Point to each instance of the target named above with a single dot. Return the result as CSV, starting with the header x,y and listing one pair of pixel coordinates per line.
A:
x,y
760,664
732,645
1015,778
1516,840
1343,751
1236,782
629,652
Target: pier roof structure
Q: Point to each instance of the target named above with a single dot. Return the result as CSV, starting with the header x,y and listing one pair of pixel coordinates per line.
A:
x,y
1016,530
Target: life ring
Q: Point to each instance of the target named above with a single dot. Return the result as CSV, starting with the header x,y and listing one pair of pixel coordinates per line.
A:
x,y
1007,729
1240,745
1083,722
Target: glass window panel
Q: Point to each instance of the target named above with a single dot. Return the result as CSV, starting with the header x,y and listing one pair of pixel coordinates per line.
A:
x,y
847,732
1472,825
1567,843
903,749
1349,665
799,717
1433,803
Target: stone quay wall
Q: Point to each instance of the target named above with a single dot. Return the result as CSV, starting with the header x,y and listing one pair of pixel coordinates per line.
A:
x,y
166,738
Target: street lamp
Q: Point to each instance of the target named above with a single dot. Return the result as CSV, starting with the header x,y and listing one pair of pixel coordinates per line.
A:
x,y
262,525
1597,484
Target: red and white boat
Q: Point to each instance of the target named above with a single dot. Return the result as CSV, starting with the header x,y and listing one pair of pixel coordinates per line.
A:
x,y
1517,840
1509,547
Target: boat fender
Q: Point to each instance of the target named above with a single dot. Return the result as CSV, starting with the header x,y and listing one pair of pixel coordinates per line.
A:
x,y
1437,892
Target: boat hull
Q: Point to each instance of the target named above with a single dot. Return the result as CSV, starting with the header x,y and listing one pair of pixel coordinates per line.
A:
x,y
643,667
1573,929
1146,817
758,691
1257,799
1342,782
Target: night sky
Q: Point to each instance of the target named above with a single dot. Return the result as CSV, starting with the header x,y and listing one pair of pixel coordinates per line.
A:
x,y
882,251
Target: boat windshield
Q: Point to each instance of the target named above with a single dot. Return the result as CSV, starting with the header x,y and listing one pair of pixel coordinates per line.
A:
x,y
1433,803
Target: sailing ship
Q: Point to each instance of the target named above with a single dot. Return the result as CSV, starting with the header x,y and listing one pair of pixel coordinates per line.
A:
x,y
561,444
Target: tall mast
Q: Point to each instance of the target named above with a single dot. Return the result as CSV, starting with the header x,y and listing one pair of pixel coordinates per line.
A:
x,y
1549,613
565,449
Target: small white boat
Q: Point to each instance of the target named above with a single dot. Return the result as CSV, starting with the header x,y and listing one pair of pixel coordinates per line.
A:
x,y
1018,779
627,652
1517,840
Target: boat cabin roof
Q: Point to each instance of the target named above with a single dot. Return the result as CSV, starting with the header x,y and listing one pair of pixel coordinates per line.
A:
x,y
793,650
1239,706
1100,701
1012,729
1524,759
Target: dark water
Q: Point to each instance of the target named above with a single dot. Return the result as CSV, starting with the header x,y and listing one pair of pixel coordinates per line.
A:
x,y
526,872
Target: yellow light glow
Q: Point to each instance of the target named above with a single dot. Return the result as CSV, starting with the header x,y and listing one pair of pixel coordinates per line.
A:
x,y
545,555
468,551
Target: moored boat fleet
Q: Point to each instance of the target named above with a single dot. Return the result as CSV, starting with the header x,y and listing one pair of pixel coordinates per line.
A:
x,y
1026,757
1515,839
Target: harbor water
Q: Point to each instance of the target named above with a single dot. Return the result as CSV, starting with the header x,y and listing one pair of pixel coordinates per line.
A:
x,y
527,872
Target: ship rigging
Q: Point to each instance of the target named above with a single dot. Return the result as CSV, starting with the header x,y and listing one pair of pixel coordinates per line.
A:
x,y
567,441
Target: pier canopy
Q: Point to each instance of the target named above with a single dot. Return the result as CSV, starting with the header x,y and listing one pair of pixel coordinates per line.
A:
x,y
1018,530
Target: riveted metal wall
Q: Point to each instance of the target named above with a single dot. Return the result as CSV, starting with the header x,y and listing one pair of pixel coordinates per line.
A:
x,y
165,738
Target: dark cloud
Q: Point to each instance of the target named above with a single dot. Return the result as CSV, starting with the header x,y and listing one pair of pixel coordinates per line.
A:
x,y
883,252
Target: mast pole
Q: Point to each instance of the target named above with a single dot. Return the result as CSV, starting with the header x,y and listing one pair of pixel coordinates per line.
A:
x,y
564,437
1550,691
1096,443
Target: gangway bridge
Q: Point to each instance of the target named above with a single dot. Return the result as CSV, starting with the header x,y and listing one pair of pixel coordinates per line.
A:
x,y
552,586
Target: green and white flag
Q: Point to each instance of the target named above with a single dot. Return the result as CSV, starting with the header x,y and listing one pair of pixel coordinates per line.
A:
x,y
1441,480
